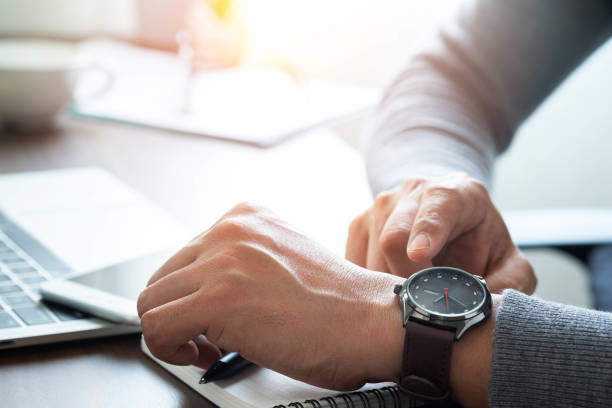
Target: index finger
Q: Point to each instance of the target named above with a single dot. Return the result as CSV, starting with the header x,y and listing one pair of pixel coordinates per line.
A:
x,y
444,213
396,232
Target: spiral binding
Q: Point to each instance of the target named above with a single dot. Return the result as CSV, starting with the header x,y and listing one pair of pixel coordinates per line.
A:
x,y
359,399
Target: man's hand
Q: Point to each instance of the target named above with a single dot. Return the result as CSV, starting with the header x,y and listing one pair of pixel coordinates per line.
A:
x,y
447,221
254,285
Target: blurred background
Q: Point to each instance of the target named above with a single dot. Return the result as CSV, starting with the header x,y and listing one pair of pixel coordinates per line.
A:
x,y
560,157
318,38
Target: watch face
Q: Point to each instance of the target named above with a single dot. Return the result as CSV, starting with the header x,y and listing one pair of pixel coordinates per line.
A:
x,y
446,291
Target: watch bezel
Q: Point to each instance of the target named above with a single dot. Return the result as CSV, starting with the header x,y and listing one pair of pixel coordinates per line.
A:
x,y
460,323
449,316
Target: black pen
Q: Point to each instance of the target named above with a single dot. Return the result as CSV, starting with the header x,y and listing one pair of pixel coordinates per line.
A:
x,y
225,367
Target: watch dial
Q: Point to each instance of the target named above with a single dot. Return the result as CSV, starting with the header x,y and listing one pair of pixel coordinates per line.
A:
x,y
446,291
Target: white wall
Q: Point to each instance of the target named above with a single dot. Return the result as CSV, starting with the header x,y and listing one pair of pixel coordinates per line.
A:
x,y
562,156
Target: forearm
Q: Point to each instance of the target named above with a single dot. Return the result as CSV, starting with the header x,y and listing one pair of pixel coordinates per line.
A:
x,y
424,153
459,101
428,126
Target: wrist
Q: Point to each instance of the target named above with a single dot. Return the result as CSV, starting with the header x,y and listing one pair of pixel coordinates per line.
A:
x,y
471,362
385,332
470,359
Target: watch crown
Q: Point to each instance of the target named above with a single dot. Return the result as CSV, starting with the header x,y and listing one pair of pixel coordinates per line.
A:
x,y
397,289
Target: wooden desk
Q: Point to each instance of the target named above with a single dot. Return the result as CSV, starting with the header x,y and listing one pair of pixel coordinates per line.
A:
x,y
196,180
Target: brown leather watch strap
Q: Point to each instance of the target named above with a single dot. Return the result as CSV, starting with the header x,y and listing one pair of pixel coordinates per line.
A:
x,y
426,362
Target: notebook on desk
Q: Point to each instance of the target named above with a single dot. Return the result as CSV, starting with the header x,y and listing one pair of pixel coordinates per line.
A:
x,y
257,106
258,387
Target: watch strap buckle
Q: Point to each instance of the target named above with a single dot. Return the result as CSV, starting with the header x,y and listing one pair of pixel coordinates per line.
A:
x,y
422,388
426,362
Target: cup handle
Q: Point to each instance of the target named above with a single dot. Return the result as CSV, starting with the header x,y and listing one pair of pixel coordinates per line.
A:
x,y
107,84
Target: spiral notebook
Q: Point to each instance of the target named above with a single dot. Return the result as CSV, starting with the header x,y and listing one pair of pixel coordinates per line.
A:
x,y
258,387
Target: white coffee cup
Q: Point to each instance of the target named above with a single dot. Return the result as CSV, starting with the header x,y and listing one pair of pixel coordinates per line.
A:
x,y
37,81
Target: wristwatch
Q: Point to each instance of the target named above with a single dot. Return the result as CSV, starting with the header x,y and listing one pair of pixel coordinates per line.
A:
x,y
438,305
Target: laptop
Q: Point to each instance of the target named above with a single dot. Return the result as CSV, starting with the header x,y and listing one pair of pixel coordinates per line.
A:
x,y
53,223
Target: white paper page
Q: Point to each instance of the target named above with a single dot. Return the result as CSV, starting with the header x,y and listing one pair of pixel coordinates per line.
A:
x,y
260,388
260,106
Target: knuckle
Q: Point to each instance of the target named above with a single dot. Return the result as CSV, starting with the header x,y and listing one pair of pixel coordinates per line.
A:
x,y
529,278
441,191
148,325
383,200
531,284
479,190
154,336
430,222
458,179
232,228
141,304
534,284
464,182
248,221
413,183
248,210
246,207
357,225
195,246
196,238
479,186
392,242
460,175
196,241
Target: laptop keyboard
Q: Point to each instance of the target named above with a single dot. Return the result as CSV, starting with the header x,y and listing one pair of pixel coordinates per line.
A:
x,y
24,264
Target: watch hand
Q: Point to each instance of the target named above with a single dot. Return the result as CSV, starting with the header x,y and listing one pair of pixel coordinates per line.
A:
x,y
446,296
438,299
458,301
431,292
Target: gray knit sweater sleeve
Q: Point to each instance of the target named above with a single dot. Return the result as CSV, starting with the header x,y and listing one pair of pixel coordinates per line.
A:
x,y
550,355
458,102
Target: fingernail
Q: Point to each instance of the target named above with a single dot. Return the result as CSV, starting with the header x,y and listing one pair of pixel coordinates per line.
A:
x,y
421,241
